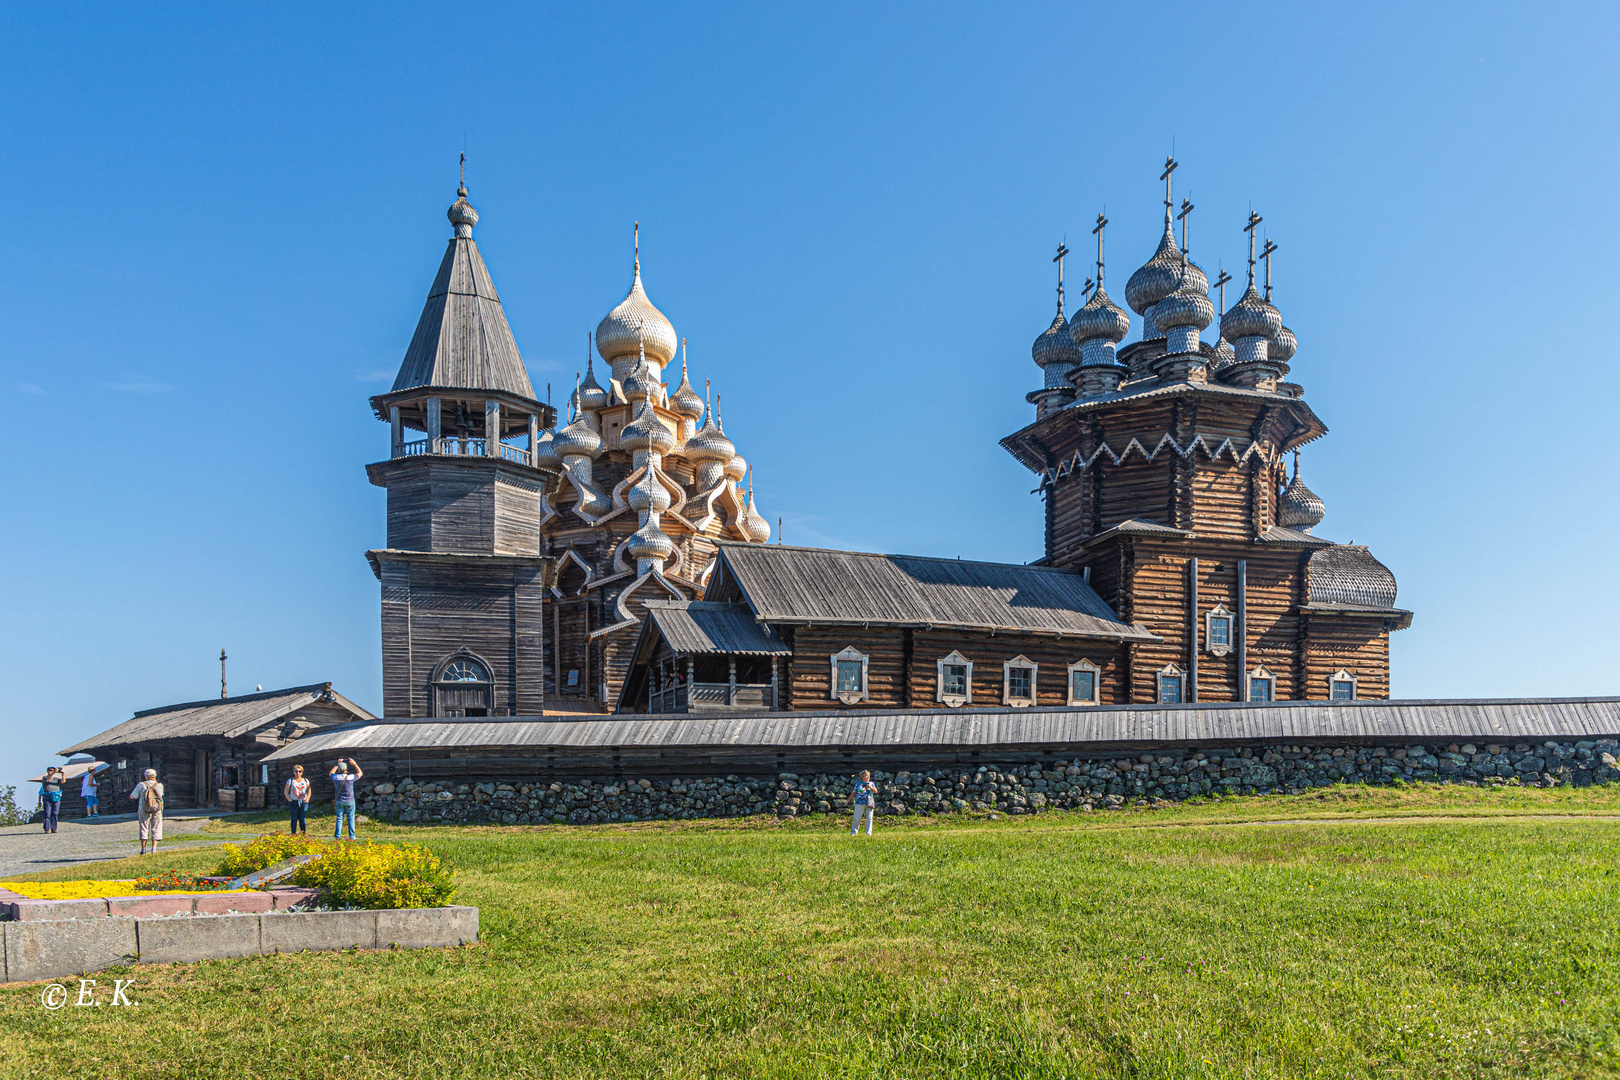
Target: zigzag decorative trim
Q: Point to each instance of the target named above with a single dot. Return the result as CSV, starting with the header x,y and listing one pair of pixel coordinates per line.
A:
x,y
1198,442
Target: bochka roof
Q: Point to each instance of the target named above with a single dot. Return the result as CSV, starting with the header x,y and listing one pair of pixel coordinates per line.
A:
x,y
462,339
225,717
796,585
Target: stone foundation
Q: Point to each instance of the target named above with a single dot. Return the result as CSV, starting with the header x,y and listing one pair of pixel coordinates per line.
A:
x,y
1093,783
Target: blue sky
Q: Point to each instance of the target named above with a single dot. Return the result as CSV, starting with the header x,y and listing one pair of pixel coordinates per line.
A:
x,y
223,223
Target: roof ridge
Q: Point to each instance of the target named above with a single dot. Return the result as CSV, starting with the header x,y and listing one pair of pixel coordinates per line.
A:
x,y
743,544
256,696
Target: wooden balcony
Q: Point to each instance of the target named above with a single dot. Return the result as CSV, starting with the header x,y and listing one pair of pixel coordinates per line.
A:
x,y
712,697
452,446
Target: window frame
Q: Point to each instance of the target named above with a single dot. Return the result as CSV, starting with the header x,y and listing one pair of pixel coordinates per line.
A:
x,y
848,653
1344,676
1170,671
1096,682
1261,674
953,659
1019,661
1219,612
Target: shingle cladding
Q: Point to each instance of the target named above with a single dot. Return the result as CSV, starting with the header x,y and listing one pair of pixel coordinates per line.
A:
x,y
1348,574
227,717
1010,730
462,339
818,585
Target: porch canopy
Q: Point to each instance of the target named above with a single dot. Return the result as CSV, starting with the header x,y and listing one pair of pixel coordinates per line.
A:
x,y
694,656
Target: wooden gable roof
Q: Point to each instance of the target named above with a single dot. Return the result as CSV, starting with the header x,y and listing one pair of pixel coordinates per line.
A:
x,y
225,717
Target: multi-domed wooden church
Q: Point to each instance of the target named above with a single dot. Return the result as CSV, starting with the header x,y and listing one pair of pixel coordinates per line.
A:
x,y
618,562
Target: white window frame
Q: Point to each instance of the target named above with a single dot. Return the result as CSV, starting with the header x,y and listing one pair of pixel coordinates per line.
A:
x,y
1173,672
1019,661
1261,673
846,696
1218,612
955,701
1096,682
1344,676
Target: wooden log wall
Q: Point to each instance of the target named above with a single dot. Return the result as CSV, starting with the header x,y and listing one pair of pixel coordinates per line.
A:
x,y
1360,646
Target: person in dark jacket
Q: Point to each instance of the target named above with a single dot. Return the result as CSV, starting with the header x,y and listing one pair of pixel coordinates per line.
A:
x,y
50,796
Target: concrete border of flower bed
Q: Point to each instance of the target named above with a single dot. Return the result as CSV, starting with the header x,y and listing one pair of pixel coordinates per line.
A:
x,y
36,948
21,909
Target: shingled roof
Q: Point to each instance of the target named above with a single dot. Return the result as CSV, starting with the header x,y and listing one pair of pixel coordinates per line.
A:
x,y
225,717
462,339
696,627
797,585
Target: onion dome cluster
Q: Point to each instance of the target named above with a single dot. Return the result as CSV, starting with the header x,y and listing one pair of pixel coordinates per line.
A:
x,y
1166,272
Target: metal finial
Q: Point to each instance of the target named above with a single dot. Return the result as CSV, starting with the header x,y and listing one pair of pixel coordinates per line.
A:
x,y
574,404
1266,253
683,359
463,185
719,419
1062,250
779,530
1186,212
1170,165
1102,223
222,674
638,247
1254,223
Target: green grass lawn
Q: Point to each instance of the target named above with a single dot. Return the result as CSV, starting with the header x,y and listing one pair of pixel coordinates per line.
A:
x,y
1472,936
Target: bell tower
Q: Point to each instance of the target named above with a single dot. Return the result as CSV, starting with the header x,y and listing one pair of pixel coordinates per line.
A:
x,y
462,574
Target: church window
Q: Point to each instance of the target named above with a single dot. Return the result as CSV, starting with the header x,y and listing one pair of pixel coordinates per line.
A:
x,y
465,670
1218,630
955,680
1083,683
573,676
1262,685
1342,686
1170,684
849,676
1018,681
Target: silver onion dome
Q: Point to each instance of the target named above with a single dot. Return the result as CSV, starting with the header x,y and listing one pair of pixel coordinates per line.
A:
x,y
1101,318
1188,306
591,395
577,439
545,451
645,432
647,494
461,213
1224,353
636,324
708,444
685,401
1251,316
1283,345
737,467
1055,346
1299,507
648,542
1161,275
757,528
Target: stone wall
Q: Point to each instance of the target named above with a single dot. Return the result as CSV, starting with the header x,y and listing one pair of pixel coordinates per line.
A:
x,y
1093,783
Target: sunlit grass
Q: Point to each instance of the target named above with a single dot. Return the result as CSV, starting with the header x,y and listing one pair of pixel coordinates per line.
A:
x,y
1475,939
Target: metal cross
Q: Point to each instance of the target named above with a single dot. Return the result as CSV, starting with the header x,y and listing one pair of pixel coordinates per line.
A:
x,y
1220,283
1085,290
222,674
638,245
464,168
1266,253
1186,212
1102,223
1062,250
1254,223
1170,164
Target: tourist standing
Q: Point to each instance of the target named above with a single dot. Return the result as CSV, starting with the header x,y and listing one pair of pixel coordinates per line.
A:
x,y
148,796
343,778
88,788
297,792
50,796
865,804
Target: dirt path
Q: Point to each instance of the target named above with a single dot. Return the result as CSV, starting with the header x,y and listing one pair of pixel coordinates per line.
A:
x,y
28,849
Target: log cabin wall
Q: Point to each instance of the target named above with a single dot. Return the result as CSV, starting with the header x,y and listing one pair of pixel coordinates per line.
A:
x,y
1359,646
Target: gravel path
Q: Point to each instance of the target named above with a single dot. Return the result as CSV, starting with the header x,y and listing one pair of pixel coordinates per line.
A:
x,y
28,849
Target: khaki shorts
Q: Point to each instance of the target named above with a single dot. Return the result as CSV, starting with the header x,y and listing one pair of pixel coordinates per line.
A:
x,y
151,825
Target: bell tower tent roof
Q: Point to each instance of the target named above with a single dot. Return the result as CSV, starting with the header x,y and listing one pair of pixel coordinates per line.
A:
x,y
462,339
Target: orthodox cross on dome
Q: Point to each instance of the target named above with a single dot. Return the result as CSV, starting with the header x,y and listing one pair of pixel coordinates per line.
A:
x,y
1186,212
1266,253
1085,290
1170,166
1220,283
1254,223
464,168
638,246
1062,250
1102,223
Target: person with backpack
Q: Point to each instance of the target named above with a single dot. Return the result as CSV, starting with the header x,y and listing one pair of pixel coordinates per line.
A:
x,y
343,778
148,796
50,796
865,804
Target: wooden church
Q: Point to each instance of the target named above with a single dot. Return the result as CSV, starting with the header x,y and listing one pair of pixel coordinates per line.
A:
x,y
619,562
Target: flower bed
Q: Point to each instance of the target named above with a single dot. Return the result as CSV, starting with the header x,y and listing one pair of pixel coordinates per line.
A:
x,y
89,889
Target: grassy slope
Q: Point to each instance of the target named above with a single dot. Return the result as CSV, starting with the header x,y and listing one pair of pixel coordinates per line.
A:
x,y
1475,939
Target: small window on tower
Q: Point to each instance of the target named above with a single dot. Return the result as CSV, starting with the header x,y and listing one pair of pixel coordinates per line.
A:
x,y
1342,686
1170,684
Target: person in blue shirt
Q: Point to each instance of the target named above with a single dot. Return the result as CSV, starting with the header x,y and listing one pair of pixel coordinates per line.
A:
x,y
865,804
50,796
343,778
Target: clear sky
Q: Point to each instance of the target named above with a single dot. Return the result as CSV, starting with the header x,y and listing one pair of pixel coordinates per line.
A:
x,y
223,224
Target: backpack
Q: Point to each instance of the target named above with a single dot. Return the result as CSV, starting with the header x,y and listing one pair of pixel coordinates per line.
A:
x,y
152,800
